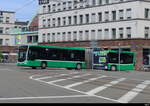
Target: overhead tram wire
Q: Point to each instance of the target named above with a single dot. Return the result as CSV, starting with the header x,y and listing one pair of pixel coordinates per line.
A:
x,y
25,5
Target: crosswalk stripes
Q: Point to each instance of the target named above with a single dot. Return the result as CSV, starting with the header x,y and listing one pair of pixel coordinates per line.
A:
x,y
98,89
78,76
42,78
79,83
125,97
134,92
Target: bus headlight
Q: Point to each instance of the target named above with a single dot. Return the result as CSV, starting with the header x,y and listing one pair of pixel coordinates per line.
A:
x,y
106,67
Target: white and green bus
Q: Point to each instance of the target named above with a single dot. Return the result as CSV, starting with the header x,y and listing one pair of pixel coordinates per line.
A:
x,y
114,60
51,56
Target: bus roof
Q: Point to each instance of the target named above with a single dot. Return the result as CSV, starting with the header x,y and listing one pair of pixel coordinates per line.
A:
x,y
57,47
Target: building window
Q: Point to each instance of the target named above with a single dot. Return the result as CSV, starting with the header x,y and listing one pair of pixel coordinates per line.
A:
x,y
48,37
147,12
107,1
87,3
93,2
93,18
7,42
80,35
49,8
99,17
44,23
81,3
106,34
49,22
113,15
7,19
64,36
87,18
44,9
113,33
75,20
53,37
69,5
147,31
121,14
129,32
93,35
86,35
54,8
81,19
58,37
7,30
35,38
54,21
69,36
59,7
100,2
1,30
99,34
1,41
69,20
44,37
64,5
64,21
75,3
121,33
74,36
128,14
1,19
106,16
59,21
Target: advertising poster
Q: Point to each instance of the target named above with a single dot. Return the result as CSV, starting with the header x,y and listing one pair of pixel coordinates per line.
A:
x,y
99,58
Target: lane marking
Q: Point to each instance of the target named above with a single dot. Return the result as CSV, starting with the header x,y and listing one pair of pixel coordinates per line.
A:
x,y
79,83
134,92
41,78
59,80
43,97
99,89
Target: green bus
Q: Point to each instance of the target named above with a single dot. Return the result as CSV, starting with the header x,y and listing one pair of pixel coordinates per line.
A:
x,y
114,60
51,56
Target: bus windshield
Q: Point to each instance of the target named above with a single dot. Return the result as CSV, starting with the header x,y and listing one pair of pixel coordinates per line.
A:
x,y
22,53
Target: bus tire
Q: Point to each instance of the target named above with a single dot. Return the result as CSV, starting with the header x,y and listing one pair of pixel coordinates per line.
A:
x,y
113,68
78,67
33,67
43,65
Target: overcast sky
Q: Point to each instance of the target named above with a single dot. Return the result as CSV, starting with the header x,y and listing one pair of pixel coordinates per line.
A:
x,y
25,9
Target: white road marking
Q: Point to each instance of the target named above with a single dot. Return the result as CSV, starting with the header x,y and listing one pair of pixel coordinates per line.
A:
x,y
84,93
99,89
68,78
79,83
43,97
134,92
41,78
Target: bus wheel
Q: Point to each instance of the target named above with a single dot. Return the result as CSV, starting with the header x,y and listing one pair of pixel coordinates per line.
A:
x,y
43,65
113,68
78,67
33,67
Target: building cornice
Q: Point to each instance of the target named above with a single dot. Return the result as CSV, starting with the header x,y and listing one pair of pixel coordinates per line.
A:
x,y
102,5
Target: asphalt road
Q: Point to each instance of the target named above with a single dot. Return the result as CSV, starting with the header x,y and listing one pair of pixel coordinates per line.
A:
x,y
25,85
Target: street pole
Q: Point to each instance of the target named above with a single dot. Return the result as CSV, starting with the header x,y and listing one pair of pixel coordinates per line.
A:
x,y
119,57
